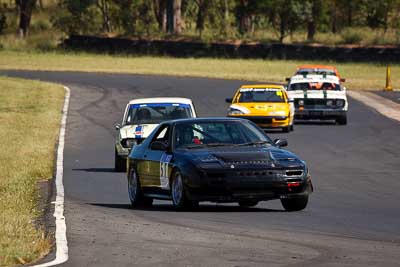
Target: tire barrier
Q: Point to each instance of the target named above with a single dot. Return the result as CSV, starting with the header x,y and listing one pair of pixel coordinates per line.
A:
x,y
223,50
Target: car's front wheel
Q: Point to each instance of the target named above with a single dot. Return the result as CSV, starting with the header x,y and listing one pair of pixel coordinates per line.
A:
x,y
294,204
179,198
342,120
135,192
119,162
286,129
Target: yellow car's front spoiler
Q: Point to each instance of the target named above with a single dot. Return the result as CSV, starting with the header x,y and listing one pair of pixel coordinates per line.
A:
x,y
266,121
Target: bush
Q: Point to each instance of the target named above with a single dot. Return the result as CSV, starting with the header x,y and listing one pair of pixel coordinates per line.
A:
x,y
352,36
41,25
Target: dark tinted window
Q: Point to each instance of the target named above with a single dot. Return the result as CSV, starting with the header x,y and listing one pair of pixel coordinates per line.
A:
x,y
314,86
155,113
261,95
217,132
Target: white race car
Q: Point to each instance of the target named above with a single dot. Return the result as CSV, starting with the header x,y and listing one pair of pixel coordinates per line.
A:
x,y
319,97
141,117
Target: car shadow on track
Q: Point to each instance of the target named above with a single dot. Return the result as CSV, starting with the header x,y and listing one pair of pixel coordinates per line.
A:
x,y
314,122
201,208
108,170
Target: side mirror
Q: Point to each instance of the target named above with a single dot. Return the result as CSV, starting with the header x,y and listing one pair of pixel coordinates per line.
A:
x,y
342,80
287,79
117,126
158,145
280,142
229,100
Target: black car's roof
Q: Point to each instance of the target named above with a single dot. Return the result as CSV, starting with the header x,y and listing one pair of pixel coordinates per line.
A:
x,y
207,119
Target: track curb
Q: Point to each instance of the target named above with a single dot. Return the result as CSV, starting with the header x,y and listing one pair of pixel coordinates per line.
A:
x,y
383,105
61,228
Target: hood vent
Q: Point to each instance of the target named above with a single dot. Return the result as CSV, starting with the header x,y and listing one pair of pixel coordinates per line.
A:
x,y
284,157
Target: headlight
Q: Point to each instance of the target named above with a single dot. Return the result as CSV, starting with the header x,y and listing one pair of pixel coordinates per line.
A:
x,y
234,111
340,103
278,113
329,102
301,102
128,143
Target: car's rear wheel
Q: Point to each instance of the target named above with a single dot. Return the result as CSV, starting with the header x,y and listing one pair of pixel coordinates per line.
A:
x,y
342,120
179,198
286,129
119,163
248,203
291,128
135,192
294,204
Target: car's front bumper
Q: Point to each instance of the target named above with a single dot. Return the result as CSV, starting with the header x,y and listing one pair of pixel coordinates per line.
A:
x,y
266,121
326,114
248,185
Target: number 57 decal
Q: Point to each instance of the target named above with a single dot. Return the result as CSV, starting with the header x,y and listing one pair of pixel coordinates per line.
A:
x,y
164,171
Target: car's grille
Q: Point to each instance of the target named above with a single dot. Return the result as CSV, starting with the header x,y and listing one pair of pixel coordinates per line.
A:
x,y
253,182
316,103
254,173
260,120
293,173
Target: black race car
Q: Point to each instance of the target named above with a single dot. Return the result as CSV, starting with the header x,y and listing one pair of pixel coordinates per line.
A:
x,y
219,160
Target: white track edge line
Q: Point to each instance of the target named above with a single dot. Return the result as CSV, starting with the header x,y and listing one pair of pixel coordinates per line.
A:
x,y
61,227
384,106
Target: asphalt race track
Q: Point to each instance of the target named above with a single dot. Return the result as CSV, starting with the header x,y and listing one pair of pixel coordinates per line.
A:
x,y
353,218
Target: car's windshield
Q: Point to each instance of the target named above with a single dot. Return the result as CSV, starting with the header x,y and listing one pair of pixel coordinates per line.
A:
x,y
316,71
218,133
155,113
261,95
314,86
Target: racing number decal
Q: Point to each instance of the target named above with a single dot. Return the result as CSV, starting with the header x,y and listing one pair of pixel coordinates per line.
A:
x,y
164,179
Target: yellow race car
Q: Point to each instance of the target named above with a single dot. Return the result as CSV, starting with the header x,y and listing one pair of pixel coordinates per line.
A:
x,y
266,105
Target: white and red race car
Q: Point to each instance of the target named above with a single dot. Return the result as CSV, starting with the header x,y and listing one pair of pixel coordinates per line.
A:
x,y
319,97
141,117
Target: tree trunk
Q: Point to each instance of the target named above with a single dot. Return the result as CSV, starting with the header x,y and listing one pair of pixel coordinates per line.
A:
x,y
17,6
177,17
104,9
349,14
312,23
160,12
282,27
170,16
201,15
333,18
226,16
174,23
244,18
25,14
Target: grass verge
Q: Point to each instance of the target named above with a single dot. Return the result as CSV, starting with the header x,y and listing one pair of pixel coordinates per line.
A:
x,y
359,75
30,119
